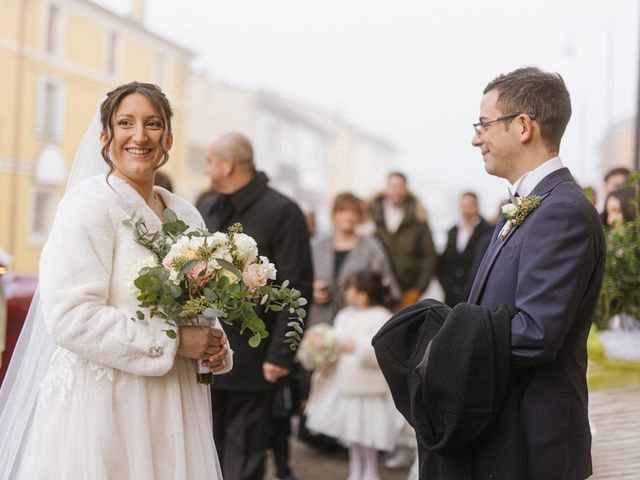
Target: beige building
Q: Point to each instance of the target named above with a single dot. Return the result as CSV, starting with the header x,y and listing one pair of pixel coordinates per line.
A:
x,y
57,59
308,154
617,147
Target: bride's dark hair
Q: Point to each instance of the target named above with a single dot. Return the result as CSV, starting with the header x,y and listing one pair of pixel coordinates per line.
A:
x,y
112,102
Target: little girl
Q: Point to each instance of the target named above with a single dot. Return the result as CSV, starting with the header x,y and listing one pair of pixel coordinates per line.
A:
x,y
352,402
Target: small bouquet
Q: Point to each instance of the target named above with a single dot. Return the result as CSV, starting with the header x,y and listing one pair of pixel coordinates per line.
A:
x,y
320,348
193,275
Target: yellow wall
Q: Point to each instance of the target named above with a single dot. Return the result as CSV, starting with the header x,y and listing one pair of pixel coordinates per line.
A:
x,y
5,188
80,67
9,19
7,102
86,42
139,61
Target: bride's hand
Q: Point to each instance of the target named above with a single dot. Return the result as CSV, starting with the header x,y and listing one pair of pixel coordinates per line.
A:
x,y
218,361
200,343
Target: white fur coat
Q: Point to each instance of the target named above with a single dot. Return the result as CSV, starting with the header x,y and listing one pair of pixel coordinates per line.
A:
x,y
117,401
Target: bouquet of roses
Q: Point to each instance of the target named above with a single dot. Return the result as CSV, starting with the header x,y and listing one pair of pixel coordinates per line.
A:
x,y
320,348
193,276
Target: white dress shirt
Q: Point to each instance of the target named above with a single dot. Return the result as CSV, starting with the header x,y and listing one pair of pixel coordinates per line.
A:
x,y
527,182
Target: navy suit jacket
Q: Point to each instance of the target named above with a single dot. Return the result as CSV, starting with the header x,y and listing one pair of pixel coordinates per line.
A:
x,y
549,269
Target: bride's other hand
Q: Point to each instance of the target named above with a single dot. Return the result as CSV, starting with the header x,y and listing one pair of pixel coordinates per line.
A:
x,y
199,343
218,361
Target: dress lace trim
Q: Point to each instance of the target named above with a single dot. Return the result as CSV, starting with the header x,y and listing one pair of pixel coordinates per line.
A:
x,y
60,377
59,380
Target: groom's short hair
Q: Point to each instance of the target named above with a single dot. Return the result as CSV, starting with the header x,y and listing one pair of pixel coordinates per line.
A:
x,y
534,91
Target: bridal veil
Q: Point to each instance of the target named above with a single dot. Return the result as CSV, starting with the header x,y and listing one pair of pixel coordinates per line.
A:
x,y
33,351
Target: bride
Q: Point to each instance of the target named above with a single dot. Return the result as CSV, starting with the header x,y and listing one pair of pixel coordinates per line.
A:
x,y
111,398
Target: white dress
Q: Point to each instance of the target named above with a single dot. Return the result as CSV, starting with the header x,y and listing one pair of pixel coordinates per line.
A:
x,y
117,403
352,402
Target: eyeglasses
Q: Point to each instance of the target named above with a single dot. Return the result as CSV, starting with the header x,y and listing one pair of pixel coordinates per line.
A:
x,y
480,126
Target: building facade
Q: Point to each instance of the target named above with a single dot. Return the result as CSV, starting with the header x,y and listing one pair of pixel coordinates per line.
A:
x,y
58,58
307,153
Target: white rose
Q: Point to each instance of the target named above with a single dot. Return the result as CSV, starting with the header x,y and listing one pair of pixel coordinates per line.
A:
x,y
246,248
196,242
219,238
509,209
134,271
178,249
268,268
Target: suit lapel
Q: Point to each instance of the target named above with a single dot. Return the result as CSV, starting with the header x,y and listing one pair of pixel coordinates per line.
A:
x,y
487,261
546,185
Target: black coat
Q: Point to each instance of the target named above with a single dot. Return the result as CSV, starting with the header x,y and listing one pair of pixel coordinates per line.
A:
x,y
450,376
456,270
279,228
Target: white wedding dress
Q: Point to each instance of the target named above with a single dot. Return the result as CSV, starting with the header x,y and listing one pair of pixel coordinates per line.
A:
x,y
117,403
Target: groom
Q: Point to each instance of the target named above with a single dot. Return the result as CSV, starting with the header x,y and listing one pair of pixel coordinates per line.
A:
x,y
548,268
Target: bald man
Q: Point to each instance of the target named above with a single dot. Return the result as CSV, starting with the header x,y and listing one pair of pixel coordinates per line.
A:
x,y
243,399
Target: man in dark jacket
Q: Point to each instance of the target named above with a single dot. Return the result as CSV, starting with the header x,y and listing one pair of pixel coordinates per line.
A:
x,y
243,398
466,243
401,225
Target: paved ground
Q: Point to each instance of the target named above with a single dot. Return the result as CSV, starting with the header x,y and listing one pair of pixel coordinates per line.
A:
x,y
310,464
614,413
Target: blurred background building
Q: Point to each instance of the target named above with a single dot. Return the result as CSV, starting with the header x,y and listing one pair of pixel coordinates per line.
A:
x,y
616,149
308,154
58,57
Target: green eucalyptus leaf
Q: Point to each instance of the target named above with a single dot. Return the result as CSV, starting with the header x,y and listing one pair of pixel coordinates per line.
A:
x,y
214,312
169,216
255,340
187,267
171,334
230,267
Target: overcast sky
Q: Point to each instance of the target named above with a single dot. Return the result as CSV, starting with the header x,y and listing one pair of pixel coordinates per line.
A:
x,y
413,71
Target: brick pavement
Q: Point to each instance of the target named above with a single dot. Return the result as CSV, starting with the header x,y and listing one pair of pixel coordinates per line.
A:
x,y
615,414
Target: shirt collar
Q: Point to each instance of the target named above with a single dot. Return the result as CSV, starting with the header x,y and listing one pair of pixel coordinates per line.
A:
x,y
473,222
527,182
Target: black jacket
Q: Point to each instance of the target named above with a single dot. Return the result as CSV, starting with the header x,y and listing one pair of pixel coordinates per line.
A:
x,y
456,270
410,248
279,228
450,376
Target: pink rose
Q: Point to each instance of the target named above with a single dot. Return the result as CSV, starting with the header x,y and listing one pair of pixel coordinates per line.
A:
x,y
254,277
199,273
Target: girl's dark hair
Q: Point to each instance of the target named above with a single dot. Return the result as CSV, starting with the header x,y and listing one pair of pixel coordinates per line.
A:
x,y
625,196
373,285
112,102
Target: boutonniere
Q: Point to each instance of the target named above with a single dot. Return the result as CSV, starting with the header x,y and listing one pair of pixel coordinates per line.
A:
x,y
516,211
